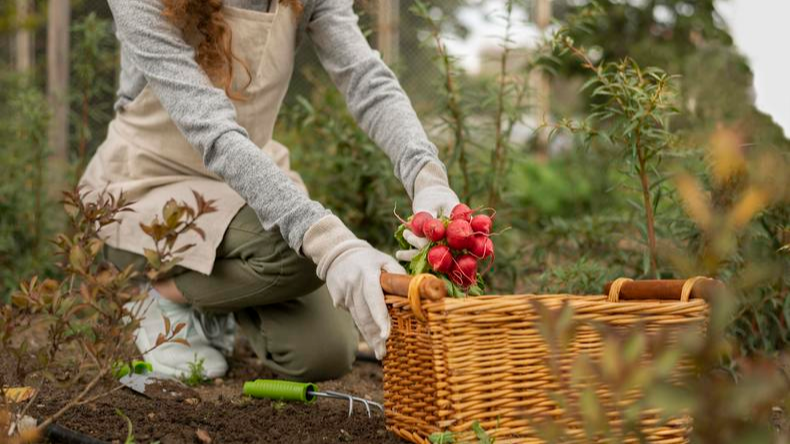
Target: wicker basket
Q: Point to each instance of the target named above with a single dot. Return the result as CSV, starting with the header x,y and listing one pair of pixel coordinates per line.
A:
x,y
453,361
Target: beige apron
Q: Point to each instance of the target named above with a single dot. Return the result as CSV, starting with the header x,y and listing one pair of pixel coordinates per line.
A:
x,y
147,157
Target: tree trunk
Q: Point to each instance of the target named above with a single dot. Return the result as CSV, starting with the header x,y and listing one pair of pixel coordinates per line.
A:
x,y
58,76
24,37
388,38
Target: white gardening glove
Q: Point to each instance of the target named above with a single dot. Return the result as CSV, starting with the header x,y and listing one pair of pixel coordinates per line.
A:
x,y
432,193
352,271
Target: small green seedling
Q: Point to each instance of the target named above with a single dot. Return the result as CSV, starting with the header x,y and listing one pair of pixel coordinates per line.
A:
x,y
130,433
482,436
197,373
278,405
449,438
442,438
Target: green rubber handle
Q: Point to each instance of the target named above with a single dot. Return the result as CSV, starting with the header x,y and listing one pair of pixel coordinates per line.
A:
x,y
142,367
279,390
121,369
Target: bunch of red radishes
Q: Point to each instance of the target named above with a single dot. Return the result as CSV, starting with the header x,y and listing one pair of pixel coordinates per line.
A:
x,y
459,245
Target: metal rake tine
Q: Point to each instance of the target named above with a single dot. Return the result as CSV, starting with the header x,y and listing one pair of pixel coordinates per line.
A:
x,y
351,399
343,396
368,403
367,406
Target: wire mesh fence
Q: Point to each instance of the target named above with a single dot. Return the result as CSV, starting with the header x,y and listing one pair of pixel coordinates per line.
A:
x,y
389,26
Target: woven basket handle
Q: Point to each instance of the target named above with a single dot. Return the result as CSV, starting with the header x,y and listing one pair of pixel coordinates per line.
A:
x,y
415,288
430,287
677,289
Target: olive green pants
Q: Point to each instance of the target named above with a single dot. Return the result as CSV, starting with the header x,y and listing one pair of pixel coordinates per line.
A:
x,y
279,303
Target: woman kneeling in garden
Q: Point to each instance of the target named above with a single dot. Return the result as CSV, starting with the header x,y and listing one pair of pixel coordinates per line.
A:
x,y
201,86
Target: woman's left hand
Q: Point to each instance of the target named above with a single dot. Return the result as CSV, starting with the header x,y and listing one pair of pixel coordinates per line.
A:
x,y
352,271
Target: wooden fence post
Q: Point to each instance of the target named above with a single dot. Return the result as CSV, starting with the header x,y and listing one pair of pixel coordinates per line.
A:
x,y
387,33
24,37
58,24
540,81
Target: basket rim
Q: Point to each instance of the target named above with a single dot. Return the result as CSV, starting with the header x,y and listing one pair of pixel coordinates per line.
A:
x,y
427,293
660,311
553,298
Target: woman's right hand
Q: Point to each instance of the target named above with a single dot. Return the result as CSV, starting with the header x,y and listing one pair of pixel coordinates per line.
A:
x,y
352,270
432,194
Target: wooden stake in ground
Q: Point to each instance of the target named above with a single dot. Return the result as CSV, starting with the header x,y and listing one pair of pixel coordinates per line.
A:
x,y
540,81
58,23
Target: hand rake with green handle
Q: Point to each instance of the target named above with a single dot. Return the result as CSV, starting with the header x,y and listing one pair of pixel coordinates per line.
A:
x,y
306,392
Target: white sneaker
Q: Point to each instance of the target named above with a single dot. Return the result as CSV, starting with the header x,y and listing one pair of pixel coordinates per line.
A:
x,y
173,359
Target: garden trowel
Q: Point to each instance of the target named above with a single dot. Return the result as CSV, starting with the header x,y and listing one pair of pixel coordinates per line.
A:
x,y
138,382
158,386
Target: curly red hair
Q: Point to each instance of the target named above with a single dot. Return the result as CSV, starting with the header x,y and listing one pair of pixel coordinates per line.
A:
x,y
204,26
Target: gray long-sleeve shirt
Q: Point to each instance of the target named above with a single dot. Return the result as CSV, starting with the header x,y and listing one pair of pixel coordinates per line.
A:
x,y
154,53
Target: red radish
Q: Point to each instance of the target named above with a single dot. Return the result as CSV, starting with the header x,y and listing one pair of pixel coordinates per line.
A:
x,y
481,246
458,234
440,258
489,248
418,221
433,230
481,224
465,271
456,276
461,212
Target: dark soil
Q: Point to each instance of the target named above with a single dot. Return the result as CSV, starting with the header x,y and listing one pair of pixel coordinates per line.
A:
x,y
219,413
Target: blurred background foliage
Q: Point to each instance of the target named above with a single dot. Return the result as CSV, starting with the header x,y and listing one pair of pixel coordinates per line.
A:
x,y
25,207
722,204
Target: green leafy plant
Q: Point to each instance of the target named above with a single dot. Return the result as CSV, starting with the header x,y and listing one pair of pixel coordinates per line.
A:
x,y
581,277
733,228
177,219
727,153
279,405
75,331
442,438
631,114
558,187
481,435
738,212
197,373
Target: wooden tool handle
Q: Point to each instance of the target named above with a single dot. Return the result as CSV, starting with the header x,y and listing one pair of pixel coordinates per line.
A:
x,y
431,288
666,289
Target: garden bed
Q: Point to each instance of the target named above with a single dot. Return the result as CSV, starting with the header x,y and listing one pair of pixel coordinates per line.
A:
x,y
218,412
